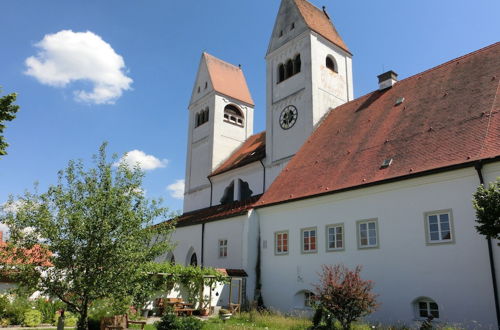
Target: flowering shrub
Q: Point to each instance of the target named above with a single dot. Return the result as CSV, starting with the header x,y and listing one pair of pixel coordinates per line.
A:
x,y
341,294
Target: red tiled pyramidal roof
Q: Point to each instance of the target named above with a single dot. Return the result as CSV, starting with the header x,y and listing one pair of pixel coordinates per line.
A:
x,y
217,212
449,116
252,150
228,79
320,23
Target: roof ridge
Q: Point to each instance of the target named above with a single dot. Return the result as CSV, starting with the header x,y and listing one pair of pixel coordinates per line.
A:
x,y
222,61
417,75
452,61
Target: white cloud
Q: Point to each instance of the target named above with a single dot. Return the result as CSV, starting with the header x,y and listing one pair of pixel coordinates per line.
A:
x,y
67,56
146,162
177,189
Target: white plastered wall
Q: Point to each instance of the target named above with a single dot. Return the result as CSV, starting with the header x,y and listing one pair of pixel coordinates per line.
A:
x,y
403,267
251,173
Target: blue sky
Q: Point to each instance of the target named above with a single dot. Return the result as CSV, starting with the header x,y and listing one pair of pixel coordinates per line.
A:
x,y
141,98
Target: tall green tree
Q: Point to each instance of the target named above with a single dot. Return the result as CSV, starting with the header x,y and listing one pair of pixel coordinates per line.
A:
x,y
99,228
8,112
486,201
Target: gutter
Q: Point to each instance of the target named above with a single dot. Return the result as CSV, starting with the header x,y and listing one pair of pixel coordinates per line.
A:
x,y
478,166
376,183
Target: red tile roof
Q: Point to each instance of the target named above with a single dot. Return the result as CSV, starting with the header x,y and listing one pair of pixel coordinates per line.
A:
x,y
37,255
252,150
217,212
228,79
450,116
320,23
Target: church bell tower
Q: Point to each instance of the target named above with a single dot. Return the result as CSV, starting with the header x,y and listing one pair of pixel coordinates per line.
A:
x,y
309,72
220,120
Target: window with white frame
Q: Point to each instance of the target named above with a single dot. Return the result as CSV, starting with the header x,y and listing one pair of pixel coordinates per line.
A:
x,y
222,248
335,237
367,234
308,299
308,240
439,227
281,242
425,307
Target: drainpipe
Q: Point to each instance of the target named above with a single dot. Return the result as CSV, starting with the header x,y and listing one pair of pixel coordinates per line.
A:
x,y
202,243
478,167
203,229
263,176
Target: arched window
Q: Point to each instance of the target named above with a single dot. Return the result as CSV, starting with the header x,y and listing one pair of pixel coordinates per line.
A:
x,y
289,69
233,115
281,73
425,307
330,63
228,196
296,64
194,260
202,117
245,191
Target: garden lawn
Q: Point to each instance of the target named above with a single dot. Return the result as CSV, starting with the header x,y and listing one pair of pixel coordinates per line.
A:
x,y
256,320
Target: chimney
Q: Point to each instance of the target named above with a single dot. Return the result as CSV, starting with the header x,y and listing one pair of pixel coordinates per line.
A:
x,y
1,236
387,80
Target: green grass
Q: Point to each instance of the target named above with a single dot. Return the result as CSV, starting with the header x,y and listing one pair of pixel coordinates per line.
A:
x,y
256,320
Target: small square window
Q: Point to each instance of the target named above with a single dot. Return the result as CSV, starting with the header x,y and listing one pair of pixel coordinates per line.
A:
x,y
281,242
335,237
439,227
222,248
309,240
426,308
367,233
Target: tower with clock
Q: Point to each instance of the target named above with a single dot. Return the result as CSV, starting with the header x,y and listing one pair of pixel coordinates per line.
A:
x,y
309,72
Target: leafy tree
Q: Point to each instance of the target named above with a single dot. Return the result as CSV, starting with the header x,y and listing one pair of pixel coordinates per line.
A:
x,y
343,295
98,226
7,113
487,204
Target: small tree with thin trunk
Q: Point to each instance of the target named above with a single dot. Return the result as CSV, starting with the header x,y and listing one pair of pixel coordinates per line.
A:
x,y
98,226
487,204
343,295
7,113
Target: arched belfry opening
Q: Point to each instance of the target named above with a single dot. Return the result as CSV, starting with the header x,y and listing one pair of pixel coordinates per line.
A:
x,y
191,257
233,115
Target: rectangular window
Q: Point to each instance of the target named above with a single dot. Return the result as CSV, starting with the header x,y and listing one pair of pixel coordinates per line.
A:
x,y
335,237
222,248
281,242
309,240
367,234
439,227
308,299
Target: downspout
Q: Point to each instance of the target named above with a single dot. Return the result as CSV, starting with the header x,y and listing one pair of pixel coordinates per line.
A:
x,y
203,229
263,176
478,166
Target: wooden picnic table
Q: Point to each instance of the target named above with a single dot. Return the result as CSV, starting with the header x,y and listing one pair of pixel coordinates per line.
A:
x,y
180,307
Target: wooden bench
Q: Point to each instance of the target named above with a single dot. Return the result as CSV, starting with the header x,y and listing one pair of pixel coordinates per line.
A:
x,y
119,322
180,307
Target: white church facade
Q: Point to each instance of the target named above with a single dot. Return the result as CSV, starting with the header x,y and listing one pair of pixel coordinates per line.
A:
x,y
384,181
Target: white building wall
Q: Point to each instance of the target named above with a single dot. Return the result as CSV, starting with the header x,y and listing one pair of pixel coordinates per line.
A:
x,y
403,267
186,240
330,88
252,173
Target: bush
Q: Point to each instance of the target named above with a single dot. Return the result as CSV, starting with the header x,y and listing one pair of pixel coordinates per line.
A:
x,y
171,322
343,295
48,308
16,309
4,323
32,318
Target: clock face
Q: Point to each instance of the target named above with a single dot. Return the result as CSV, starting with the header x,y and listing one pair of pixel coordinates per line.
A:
x,y
288,117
